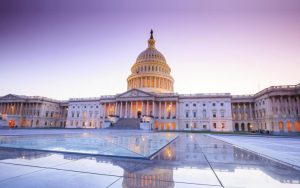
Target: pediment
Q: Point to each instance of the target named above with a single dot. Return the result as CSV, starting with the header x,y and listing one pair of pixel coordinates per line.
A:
x,y
135,93
11,97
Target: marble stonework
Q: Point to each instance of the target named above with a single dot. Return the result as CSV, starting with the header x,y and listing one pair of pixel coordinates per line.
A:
x,y
150,96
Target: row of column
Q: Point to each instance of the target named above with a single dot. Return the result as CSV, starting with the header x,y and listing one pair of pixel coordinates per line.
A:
x,y
130,109
19,108
287,102
150,81
240,111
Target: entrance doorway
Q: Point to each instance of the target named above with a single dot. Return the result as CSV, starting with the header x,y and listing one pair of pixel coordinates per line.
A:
x,y
11,123
236,127
139,114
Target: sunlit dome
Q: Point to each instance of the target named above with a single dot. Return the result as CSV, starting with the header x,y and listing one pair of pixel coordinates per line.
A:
x,y
151,72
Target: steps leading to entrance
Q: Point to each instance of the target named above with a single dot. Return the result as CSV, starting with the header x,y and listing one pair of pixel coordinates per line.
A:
x,y
126,123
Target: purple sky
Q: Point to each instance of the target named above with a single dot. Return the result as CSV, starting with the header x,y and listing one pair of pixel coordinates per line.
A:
x,y
79,48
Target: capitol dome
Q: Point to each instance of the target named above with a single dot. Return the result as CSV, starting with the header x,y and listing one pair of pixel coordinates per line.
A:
x,y
151,72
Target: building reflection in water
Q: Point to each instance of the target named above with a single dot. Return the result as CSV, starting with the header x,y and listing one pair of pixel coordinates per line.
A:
x,y
186,152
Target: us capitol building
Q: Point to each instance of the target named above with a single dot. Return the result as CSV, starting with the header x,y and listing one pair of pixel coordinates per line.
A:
x,y
150,104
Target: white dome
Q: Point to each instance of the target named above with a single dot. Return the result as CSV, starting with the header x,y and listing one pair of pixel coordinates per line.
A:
x,y
151,72
150,55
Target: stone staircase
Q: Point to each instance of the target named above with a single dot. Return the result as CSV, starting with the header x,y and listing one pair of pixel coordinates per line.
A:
x,y
126,123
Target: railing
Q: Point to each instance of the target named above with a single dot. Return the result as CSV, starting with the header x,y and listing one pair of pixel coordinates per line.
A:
x,y
85,99
107,96
204,94
242,96
277,88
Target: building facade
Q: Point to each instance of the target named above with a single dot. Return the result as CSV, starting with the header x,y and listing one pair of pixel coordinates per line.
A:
x,y
150,103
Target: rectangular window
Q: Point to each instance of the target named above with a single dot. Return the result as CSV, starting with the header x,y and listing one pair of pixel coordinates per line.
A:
x,y
223,125
187,125
222,114
215,125
194,125
214,114
195,114
187,114
204,113
204,126
46,114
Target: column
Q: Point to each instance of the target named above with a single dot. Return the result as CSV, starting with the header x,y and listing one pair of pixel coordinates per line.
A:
x,y
155,82
115,108
21,109
250,111
109,109
171,116
126,109
121,109
177,110
298,105
165,111
147,108
130,109
136,108
159,110
153,114
143,108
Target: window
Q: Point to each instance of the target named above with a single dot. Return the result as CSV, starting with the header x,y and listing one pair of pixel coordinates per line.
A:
x,y
187,125
222,114
195,114
194,104
204,113
51,115
186,105
215,125
46,114
203,104
77,114
214,114
222,104
223,125
204,126
214,104
187,114
194,125
73,114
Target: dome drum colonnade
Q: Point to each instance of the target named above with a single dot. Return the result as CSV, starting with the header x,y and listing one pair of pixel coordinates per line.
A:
x,y
150,72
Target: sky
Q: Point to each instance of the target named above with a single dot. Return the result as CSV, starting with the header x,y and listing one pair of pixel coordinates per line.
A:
x,y
65,49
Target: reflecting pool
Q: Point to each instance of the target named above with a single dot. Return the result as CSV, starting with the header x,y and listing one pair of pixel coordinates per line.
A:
x,y
191,160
